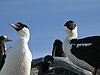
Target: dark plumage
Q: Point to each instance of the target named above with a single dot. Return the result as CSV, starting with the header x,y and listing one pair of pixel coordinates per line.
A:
x,y
44,65
57,49
3,39
87,49
2,54
2,49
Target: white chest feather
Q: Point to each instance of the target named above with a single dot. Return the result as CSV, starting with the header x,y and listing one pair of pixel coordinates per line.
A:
x,y
18,61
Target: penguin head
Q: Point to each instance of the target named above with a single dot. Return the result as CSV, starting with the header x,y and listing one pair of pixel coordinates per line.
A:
x,y
70,28
49,59
70,25
4,38
19,26
22,29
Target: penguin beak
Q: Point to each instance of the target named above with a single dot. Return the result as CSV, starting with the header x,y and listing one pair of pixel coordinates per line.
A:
x,y
14,26
72,27
7,40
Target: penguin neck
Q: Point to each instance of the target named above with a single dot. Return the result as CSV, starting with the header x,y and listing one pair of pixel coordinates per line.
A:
x,y
72,34
25,39
24,35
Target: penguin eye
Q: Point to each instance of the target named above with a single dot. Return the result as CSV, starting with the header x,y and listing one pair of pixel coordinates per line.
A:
x,y
72,24
19,26
3,37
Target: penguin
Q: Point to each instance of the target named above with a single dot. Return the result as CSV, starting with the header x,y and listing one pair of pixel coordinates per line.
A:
x,y
19,57
3,39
